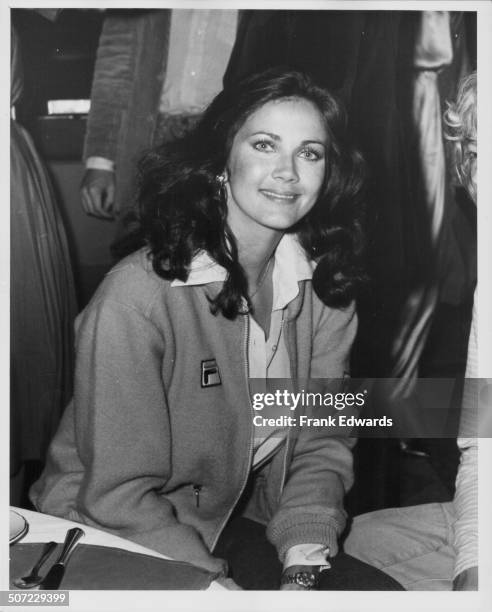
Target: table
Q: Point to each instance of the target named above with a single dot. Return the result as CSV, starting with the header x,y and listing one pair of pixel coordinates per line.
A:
x,y
44,527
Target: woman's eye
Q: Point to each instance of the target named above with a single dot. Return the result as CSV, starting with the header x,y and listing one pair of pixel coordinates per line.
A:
x,y
263,145
310,154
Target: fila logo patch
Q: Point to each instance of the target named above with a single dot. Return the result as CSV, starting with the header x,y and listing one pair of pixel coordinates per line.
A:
x,y
210,373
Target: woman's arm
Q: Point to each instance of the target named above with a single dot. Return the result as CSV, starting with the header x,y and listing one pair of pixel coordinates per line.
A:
x,y
320,473
123,433
112,84
466,508
465,501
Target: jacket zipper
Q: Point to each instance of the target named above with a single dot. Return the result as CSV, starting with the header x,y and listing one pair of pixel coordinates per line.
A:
x,y
289,437
250,450
196,491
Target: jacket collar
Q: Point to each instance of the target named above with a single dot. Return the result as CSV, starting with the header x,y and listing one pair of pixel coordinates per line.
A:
x,y
290,267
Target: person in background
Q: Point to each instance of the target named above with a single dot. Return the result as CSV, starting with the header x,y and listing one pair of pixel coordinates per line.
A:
x,y
250,262
155,72
435,546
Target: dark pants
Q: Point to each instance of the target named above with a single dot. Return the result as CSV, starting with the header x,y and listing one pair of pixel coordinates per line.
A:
x,y
254,563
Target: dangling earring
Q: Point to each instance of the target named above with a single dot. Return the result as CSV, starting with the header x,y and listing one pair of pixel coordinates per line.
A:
x,y
220,181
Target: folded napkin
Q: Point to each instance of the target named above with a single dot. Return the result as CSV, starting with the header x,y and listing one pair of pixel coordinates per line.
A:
x,y
105,568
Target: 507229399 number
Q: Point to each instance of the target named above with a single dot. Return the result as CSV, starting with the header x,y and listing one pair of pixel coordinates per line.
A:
x,y
34,598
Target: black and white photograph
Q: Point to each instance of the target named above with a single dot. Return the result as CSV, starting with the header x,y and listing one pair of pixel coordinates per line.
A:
x,y
247,345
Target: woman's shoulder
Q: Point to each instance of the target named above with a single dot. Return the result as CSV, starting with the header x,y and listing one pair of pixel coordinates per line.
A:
x,y
331,316
132,283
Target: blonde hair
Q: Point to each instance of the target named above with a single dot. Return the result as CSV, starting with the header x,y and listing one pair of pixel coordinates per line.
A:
x,y
460,121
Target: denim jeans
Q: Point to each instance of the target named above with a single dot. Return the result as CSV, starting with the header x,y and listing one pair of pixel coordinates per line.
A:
x,y
413,544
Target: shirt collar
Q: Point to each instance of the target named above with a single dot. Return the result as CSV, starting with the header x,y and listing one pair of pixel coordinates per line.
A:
x,y
290,267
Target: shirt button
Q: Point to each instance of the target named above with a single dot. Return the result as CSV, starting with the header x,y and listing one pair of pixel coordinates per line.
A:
x,y
274,347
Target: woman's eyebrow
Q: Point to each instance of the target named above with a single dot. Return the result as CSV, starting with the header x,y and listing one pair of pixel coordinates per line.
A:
x,y
265,133
314,141
276,137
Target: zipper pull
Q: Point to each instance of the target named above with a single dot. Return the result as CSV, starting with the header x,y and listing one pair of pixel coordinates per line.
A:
x,y
196,490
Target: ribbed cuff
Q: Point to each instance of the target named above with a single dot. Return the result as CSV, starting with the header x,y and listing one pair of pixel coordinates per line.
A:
x,y
292,530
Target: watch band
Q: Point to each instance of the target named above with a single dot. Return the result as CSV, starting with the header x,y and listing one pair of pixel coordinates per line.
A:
x,y
306,579
305,576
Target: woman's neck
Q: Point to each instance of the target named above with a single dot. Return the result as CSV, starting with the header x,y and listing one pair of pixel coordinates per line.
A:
x,y
254,257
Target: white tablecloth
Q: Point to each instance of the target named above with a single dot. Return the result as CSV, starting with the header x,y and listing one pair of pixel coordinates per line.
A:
x,y
44,528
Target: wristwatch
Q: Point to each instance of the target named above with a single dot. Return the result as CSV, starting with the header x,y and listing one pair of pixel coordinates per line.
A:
x,y
305,576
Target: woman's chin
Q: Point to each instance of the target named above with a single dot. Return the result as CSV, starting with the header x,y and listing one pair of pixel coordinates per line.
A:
x,y
281,224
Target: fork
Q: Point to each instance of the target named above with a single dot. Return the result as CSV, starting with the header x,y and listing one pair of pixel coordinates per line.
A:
x,y
33,578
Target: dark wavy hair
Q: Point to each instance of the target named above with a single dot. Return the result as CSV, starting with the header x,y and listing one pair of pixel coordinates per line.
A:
x,y
182,208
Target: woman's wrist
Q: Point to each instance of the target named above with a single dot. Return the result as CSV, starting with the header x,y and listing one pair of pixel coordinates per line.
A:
x,y
302,576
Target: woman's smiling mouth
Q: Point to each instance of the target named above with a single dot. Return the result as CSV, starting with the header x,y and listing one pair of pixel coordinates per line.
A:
x,y
276,195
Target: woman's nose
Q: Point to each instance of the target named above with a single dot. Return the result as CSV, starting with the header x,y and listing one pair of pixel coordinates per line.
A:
x,y
285,168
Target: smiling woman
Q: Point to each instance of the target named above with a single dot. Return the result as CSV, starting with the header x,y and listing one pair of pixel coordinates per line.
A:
x,y
276,168
249,264
213,173
273,177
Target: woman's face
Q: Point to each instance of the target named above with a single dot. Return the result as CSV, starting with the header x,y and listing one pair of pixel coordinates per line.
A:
x,y
276,166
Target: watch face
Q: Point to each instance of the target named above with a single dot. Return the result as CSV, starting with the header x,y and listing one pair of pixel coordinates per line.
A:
x,y
305,579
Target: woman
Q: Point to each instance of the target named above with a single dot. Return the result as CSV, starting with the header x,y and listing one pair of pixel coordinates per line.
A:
x,y
249,269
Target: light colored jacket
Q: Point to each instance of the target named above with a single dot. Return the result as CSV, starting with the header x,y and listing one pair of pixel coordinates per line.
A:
x,y
142,439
